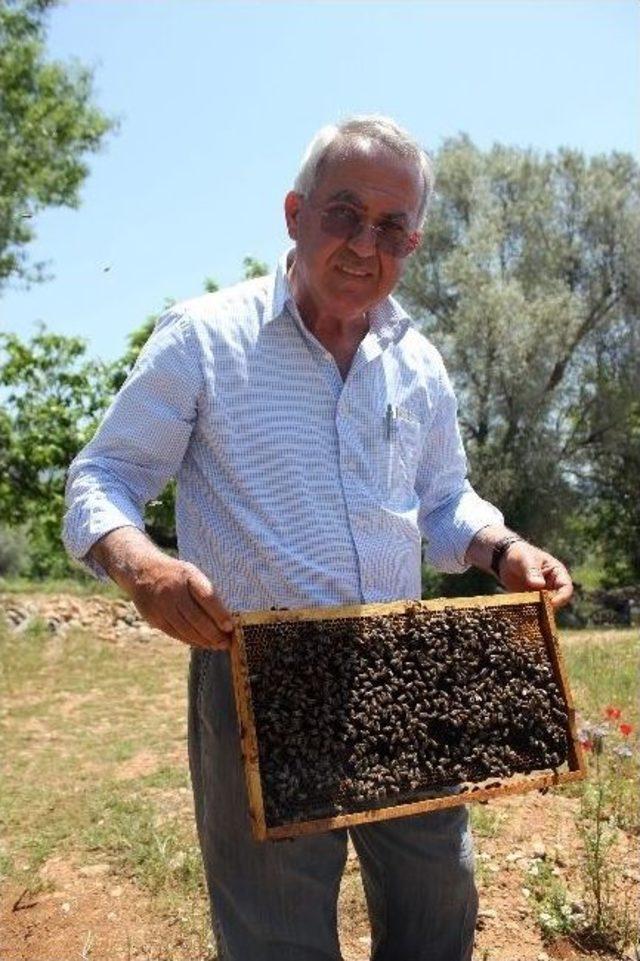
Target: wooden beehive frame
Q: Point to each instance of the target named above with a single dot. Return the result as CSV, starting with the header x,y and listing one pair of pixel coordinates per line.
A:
x,y
491,788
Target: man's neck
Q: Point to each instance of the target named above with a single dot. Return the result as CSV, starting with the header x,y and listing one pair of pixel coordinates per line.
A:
x,y
327,327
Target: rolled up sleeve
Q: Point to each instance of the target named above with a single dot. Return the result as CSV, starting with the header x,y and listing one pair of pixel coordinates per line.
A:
x,y
139,445
450,512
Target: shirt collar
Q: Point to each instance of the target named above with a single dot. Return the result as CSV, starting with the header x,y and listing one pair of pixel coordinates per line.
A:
x,y
388,321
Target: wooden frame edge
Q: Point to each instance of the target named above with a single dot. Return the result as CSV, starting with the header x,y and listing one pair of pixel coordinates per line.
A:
x,y
247,732
250,618
539,782
550,634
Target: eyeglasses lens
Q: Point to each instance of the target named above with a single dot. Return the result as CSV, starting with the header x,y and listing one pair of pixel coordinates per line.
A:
x,y
347,223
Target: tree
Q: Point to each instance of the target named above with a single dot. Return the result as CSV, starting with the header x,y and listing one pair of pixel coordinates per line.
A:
x,y
606,441
47,127
54,399
254,268
528,263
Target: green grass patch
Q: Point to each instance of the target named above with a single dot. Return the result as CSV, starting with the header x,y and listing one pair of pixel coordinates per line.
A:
x,y
82,587
486,821
603,671
161,855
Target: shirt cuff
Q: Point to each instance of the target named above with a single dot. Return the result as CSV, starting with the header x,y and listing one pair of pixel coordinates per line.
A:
x,y
84,526
450,531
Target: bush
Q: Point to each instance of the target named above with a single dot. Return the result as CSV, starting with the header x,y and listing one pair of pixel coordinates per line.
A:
x,y
14,550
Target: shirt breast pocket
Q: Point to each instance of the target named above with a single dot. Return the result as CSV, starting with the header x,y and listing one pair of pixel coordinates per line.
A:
x,y
402,440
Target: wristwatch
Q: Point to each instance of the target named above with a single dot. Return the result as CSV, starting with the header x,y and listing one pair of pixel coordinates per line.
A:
x,y
501,549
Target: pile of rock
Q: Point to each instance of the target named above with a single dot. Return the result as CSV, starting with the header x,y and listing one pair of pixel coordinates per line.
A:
x,y
112,619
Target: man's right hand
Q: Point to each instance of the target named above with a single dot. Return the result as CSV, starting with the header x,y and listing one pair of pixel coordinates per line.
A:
x,y
171,595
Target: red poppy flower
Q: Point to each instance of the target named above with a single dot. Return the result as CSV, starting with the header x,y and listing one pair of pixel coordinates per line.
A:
x,y
613,713
626,729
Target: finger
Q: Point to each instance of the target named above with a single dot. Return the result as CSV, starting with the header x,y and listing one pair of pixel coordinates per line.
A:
x,y
183,631
562,595
161,624
534,577
560,584
203,627
203,594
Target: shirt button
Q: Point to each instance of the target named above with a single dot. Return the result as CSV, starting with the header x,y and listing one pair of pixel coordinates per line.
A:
x,y
349,463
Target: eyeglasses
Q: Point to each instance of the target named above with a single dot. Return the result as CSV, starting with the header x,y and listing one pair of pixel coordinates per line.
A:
x,y
346,222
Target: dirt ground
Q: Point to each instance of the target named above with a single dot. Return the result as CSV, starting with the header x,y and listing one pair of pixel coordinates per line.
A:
x,y
90,913
95,916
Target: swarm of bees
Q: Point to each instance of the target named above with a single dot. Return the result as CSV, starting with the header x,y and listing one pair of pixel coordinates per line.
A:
x,y
358,713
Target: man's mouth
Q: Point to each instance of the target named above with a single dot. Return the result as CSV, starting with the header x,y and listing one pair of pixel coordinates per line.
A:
x,y
354,271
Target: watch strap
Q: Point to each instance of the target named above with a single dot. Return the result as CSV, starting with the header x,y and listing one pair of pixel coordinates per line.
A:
x,y
500,549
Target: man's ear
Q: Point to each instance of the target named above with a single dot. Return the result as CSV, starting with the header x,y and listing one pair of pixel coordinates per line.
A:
x,y
292,205
417,238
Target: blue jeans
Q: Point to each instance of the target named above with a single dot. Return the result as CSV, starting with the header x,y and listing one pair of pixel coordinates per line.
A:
x,y
277,901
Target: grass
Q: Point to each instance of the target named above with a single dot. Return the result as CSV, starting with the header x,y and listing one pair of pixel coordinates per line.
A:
x,y
94,764
94,761
486,821
604,672
604,677
549,893
80,587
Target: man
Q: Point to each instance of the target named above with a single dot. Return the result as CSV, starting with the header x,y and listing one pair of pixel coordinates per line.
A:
x,y
313,433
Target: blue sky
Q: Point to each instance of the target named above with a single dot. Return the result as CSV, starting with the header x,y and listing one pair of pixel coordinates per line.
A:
x,y
217,101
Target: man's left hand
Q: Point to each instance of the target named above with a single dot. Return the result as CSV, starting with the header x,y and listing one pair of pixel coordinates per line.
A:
x,y
527,568
522,567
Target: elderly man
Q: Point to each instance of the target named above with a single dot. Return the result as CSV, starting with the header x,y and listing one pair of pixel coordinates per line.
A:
x,y
313,433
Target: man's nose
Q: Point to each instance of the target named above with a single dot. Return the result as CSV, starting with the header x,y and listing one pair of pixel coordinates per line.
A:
x,y
365,240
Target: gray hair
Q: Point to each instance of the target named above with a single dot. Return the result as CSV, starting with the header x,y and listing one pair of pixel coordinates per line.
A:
x,y
374,129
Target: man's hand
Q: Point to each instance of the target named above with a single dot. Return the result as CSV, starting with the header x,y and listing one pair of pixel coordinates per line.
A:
x,y
522,567
175,597
171,595
527,568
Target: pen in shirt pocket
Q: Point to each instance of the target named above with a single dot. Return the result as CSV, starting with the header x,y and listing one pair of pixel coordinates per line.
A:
x,y
396,415
389,421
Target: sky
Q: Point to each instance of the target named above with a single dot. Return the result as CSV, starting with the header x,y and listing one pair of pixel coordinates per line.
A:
x,y
216,102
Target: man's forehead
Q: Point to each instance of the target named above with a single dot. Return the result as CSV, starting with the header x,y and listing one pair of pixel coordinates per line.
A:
x,y
358,176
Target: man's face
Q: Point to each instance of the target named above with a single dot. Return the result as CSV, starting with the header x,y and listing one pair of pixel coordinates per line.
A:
x,y
342,278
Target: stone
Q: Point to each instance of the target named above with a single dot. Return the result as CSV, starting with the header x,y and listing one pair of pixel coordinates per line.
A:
x,y
538,848
515,856
487,913
94,870
177,861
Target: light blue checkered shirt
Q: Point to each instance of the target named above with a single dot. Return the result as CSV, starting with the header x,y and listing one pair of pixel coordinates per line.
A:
x,y
294,487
